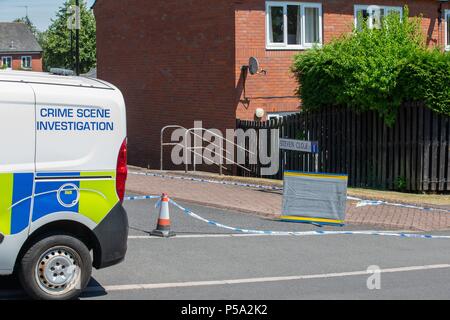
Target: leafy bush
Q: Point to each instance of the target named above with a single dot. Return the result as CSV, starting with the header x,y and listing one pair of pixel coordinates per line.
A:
x,y
427,78
375,69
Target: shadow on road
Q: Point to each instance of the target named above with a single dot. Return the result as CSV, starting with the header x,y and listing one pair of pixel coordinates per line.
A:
x,y
98,292
10,289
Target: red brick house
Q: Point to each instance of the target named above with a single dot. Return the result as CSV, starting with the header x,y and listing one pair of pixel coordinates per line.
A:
x,y
19,49
177,62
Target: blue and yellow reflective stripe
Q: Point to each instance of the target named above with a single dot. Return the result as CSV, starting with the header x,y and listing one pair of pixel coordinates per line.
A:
x,y
311,220
97,196
22,199
15,201
6,197
45,200
316,175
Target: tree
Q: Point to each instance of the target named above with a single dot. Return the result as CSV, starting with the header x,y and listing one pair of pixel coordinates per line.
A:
x,y
56,41
376,69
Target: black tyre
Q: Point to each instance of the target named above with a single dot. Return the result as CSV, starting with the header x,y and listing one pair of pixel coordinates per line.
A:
x,y
58,267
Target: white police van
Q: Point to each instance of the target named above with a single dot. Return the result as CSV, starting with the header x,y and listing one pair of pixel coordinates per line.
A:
x,y
62,180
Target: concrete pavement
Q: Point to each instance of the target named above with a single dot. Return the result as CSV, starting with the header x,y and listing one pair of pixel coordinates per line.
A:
x,y
268,203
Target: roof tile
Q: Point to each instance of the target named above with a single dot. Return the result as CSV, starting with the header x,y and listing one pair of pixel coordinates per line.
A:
x,y
17,37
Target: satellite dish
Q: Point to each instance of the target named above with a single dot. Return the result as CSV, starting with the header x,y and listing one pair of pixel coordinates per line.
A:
x,y
259,112
253,66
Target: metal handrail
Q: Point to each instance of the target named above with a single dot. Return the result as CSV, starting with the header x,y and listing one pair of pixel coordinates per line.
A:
x,y
192,150
191,130
167,143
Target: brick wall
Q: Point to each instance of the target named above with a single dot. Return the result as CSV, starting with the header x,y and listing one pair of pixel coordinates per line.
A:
x,y
174,63
179,63
36,63
275,91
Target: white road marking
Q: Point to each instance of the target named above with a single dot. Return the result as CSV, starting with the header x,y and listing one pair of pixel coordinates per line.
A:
x,y
184,236
235,235
257,280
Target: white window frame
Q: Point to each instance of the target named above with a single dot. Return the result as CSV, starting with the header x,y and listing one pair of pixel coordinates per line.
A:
x,y
447,43
31,62
276,116
285,45
387,9
10,58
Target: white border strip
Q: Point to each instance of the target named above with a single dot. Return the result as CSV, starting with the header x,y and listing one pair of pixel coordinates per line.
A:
x,y
259,280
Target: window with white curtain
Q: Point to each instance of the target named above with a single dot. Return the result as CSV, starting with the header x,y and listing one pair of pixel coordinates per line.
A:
x,y
26,62
373,15
7,62
293,25
447,30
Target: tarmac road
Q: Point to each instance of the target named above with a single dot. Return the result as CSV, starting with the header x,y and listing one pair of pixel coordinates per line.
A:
x,y
204,262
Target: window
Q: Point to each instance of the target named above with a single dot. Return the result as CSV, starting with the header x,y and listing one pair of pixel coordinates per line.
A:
x,y
7,61
373,15
293,25
447,30
26,62
274,116
279,115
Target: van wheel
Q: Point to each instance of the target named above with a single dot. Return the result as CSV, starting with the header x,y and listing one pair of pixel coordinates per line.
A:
x,y
56,268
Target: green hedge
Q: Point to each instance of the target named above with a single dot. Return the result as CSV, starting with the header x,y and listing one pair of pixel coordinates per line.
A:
x,y
375,69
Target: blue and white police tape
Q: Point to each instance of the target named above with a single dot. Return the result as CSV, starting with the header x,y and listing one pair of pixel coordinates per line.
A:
x,y
364,203
305,233
131,198
361,202
230,183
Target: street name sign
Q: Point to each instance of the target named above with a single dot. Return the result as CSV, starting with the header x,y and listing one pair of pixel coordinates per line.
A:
x,y
299,145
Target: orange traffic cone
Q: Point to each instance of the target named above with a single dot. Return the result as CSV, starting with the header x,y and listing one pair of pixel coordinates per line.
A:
x,y
163,227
